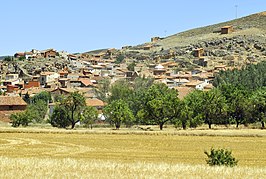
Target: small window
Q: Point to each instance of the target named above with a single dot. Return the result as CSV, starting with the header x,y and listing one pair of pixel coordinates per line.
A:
x,y
10,107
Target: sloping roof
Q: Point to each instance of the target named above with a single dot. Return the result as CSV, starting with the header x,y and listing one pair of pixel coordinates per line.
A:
x,y
12,101
159,67
194,83
226,27
94,102
181,80
66,90
85,81
32,90
46,73
183,91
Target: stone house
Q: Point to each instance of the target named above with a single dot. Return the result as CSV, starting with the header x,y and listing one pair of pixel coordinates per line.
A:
x,y
10,105
48,77
97,103
227,29
198,52
199,85
159,70
50,53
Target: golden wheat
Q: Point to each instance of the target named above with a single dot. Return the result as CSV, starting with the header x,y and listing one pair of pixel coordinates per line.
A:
x,y
71,168
104,153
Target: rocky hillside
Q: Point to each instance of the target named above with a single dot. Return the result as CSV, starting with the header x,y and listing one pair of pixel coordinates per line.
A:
x,y
246,44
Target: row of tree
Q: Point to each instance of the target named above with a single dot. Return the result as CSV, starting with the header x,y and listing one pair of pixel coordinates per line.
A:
x,y
148,103
251,77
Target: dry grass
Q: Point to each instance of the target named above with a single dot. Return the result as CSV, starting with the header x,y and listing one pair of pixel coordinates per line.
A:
x,y
72,168
104,153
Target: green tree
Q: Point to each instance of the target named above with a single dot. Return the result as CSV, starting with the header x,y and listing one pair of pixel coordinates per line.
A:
x,y
72,105
103,89
22,58
34,112
138,88
237,100
119,59
89,116
185,114
258,105
8,59
213,107
251,77
142,83
120,90
118,112
161,105
20,118
191,110
37,111
59,117
44,96
131,66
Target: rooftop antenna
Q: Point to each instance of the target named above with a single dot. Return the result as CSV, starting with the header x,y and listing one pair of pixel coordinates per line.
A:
x,y
236,6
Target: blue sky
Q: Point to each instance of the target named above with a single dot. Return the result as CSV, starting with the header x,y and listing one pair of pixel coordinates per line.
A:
x,y
83,25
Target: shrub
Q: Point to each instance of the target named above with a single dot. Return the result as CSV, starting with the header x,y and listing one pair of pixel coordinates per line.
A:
x,y
220,157
20,119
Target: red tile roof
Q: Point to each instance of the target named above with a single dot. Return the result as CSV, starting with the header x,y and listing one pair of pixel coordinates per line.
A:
x,y
86,81
12,100
183,91
94,102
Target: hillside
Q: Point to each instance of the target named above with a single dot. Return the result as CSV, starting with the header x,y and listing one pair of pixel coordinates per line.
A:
x,y
250,25
246,44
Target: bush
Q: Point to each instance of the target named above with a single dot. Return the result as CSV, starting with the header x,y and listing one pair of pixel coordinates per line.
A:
x,y
119,59
20,119
220,157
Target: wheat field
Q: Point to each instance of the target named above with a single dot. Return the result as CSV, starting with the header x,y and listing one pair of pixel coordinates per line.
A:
x,y
41,153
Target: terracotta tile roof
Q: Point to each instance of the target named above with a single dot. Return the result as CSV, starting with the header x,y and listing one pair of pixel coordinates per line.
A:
x,y
94,102
32,90
47,73
85,81
20,53
183,91
12,100
67,90
63,72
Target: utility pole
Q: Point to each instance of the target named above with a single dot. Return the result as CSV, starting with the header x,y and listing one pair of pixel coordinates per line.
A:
x,y
236,6
165,31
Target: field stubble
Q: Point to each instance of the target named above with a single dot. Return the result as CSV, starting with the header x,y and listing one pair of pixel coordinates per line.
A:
x,y
124,154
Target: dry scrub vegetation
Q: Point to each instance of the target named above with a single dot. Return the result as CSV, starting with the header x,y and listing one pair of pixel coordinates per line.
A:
x,y
99,153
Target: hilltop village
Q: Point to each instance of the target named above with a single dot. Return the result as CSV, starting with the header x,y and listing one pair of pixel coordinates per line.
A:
x,y
185,68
